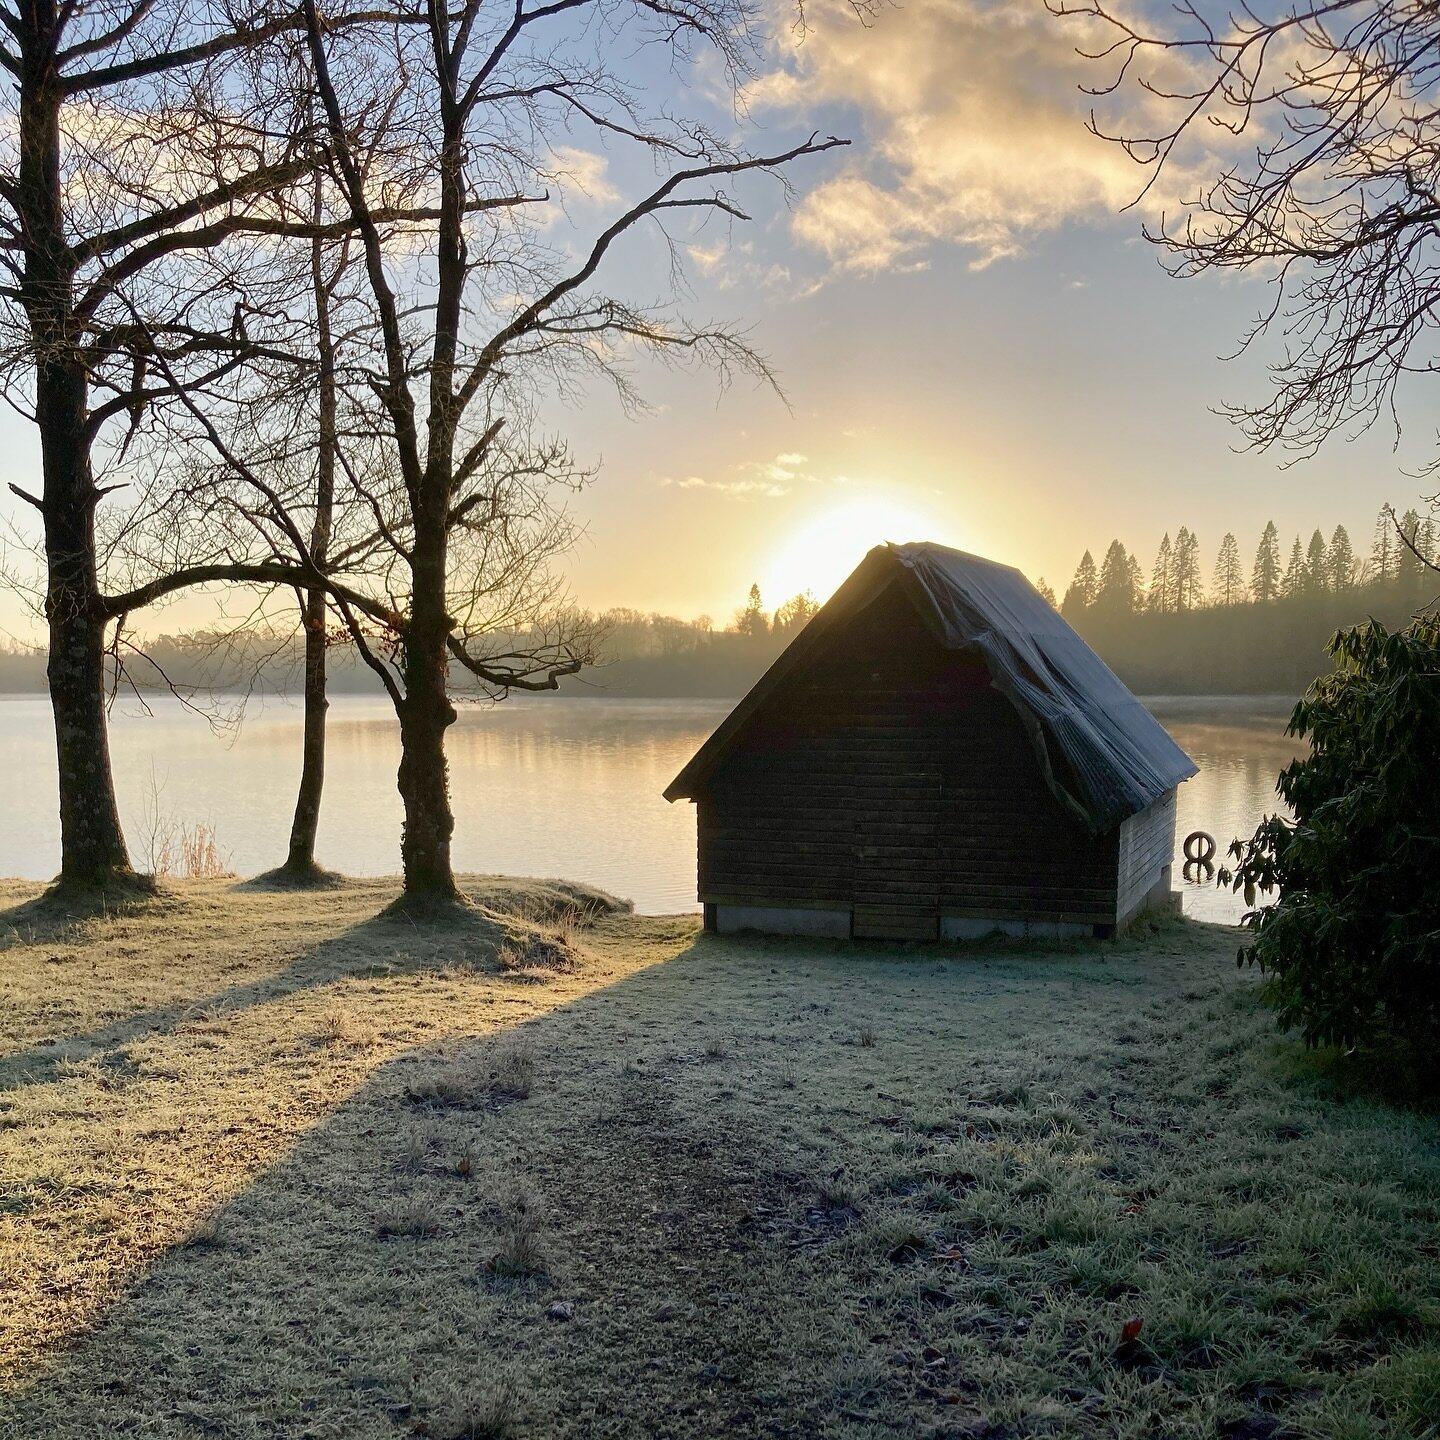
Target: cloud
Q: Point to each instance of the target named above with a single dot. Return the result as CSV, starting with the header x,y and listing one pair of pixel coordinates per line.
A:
x,y
782,470
972,130
733,265
586,172
744,489
759,479
706,257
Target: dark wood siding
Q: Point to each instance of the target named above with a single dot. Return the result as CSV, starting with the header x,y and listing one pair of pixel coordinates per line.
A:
x,y
891,779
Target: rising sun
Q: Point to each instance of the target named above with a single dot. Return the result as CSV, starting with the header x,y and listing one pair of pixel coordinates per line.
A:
x,y
817,556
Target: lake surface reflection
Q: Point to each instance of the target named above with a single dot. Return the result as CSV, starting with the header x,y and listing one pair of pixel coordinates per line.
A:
x,y
548,786
1240,745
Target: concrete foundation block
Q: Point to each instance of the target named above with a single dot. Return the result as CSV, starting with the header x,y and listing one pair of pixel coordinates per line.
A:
x,y
775,920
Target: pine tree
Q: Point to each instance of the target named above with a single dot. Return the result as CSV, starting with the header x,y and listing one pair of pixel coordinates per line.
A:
x,y
1189,589
1083,588
1046,593
1425,540
1340,561
1116,595
1294,580
1317,566
1265,577
1428,581
1162,579
1409,568
1385,549
753,620
1229,584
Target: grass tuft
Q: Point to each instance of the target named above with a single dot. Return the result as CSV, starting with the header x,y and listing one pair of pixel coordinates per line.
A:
x,y
491,1413
412,1218
522,1250
415,1154
442,1090
514,1074
341,1028
1377,1311
180,851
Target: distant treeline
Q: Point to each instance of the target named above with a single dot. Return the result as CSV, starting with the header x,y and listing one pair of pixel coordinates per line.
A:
x,y
1264,630
644,654
713,663
1171,635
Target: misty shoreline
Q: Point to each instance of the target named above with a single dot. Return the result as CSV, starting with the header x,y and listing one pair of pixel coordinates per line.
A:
x,y
1263,703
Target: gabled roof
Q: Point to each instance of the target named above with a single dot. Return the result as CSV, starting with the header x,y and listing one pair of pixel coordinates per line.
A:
x,y
1102,753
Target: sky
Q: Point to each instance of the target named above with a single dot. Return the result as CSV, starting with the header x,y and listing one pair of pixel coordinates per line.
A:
x,y
976,346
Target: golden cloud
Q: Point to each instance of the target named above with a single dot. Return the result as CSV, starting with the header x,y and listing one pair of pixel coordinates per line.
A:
x,y
972,130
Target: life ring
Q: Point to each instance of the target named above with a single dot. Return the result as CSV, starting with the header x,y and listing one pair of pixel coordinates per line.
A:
x,y
1199,847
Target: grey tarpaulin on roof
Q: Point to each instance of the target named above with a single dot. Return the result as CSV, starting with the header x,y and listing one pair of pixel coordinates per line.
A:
x,y
1103,753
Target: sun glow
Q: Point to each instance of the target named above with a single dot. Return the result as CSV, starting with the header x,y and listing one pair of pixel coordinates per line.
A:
x,y
827,547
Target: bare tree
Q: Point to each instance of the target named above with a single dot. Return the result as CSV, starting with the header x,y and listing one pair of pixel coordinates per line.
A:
x,y
470,315
300,864
283,415
1326,119
141,159
465,344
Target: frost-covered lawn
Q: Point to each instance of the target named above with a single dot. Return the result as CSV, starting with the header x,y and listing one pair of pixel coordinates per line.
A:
x,y
269,1167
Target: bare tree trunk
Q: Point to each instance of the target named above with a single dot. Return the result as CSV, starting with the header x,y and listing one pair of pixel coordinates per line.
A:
x,y
300,864
428,713
425,716
424,787
92,844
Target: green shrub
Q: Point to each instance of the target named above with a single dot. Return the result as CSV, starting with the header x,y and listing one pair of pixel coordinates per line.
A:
x,y
1352,945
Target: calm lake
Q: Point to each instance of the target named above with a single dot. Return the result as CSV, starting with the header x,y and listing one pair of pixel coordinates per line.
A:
x,y
546,786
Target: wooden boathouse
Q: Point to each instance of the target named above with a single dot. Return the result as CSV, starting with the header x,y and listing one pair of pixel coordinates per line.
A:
x,y
936,755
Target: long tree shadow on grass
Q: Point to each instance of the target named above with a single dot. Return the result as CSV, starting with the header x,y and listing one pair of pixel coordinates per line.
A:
x,y
797,1189
381,946
528,1222
404,1258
